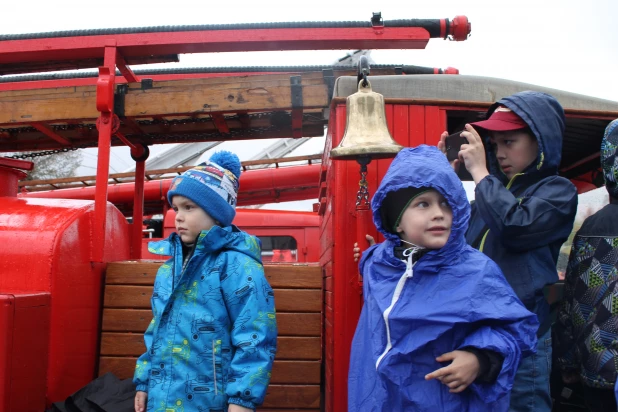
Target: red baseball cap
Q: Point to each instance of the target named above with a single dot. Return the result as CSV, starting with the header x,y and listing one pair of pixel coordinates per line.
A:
x,y
501,120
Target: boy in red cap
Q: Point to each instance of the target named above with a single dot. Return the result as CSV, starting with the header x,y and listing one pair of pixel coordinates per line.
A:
x,y
522,214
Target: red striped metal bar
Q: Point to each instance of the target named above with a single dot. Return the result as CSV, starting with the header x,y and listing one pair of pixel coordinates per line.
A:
x,y
43,81
105,105
136,45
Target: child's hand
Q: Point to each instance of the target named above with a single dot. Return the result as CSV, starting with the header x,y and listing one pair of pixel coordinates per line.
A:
x,y
140,401
473,154
442,147
357,251
237,408
462,371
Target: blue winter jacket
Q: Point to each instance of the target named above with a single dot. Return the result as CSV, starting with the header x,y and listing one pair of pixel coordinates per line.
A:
x,y
454,298
530,217
213,336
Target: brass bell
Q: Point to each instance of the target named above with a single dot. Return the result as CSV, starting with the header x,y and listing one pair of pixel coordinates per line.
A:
x,y
366,133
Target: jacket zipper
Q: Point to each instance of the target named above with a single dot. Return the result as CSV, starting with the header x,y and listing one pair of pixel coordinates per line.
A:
x,y
214,365
408,274
508,186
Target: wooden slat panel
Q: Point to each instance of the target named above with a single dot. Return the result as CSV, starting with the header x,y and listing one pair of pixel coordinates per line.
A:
x,y
293,396
279,276
169,97
134,320
126,320
132,344
123,368
296,372
287,372
286,300
299,324
132,273
122,344
294,277
298,300
124,296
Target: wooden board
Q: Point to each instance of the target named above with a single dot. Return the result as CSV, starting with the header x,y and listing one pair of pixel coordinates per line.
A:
x,y
279,276
137,320
293,396
288,347
193,96
294,277
286,300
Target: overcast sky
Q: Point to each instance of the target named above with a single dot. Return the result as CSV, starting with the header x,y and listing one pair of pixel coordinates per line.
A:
x,y
563,44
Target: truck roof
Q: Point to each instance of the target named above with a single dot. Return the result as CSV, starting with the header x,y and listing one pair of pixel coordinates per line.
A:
x,y
464,88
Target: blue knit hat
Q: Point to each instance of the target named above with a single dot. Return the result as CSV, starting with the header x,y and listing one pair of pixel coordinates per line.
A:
x,y
212,185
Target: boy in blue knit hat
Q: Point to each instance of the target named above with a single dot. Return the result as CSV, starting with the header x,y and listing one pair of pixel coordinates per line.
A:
x,y
211,342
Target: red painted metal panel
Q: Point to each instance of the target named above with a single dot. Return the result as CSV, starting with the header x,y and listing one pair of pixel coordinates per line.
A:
x,y
401,124
7,321
312,253
212,41
582,185
45,246
138,210
9,180
417,125
302,226
24,334
435,124
256,187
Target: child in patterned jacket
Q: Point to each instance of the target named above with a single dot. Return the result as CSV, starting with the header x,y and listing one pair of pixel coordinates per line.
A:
x,y
212,339
586,330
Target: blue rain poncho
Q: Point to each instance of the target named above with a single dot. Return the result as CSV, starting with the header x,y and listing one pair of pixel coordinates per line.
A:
x,y
454,297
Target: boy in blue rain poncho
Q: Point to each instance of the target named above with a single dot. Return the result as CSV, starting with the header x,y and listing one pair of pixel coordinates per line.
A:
x,y
212,339
441,329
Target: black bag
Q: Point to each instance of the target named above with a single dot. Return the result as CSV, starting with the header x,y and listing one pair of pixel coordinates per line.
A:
x,y
107,393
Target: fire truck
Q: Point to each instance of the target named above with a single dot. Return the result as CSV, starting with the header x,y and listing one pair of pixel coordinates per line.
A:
x,y
75,286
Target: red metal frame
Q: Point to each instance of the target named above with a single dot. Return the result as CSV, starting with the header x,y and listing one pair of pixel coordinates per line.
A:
x,y
118,47
212,41
138,210
47,131
105,105
256,187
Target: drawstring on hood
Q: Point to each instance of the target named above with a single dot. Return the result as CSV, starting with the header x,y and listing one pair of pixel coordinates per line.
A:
x,y
408,255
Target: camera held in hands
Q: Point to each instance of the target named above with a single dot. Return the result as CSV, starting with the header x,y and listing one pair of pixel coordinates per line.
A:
x,y
453,145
